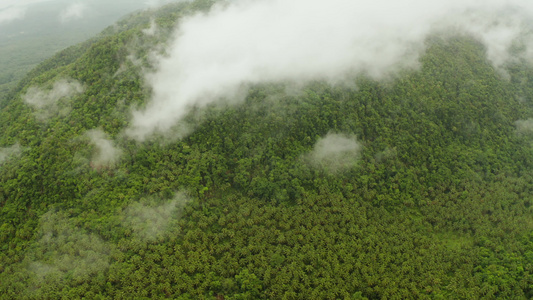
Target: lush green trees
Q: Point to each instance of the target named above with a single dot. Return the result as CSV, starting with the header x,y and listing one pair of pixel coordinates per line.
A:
x,y
437,205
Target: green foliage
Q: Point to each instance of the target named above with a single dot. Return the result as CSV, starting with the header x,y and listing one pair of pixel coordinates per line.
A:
x,y
437,205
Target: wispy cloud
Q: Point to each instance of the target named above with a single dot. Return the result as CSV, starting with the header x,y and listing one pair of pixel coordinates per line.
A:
x,y
10,14
11,10
152,30
251,41
9,152
10,3
148,222
64,250
45,102
155,3
106,152
334,152
72,12
524,127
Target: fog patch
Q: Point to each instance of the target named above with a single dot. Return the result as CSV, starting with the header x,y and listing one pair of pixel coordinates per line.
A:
x,y
65,252
148,221
47,103
9,152
334,153
74,11
107,154
144,51
12,13
152,30
386,154
524,127
244,42
144,55
157,3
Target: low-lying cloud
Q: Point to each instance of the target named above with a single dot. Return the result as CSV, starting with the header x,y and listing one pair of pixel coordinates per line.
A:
x,y
72,12
46,102
9,152
215,55
148,222
334,152
10,14
524,127
152,30
107,154
156,3
64,250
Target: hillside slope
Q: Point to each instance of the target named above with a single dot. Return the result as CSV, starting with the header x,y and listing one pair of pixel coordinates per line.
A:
x,y
44,28
415,187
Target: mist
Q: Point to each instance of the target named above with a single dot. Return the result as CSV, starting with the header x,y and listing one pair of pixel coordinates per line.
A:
x,y
152,30
12,13
148,222
334,152
215,56
72,12
64,250
524,127
107,154
33,30
46,101
9,152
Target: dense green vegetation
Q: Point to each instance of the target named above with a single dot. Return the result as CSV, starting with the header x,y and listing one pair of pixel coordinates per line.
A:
x,y
437,205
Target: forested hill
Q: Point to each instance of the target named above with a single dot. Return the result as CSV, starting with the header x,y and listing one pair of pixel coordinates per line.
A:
x,y
418,186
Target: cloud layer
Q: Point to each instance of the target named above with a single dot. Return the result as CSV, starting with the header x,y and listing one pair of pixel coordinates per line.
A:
x,y
214,55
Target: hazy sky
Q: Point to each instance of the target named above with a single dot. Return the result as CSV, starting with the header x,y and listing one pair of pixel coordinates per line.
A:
x,y
10,3
5,4
18,13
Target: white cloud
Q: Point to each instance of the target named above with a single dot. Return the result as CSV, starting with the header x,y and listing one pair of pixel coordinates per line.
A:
x,y
8,3
106,152
250,41
12,13
9,152
334,152
149,222
524,126
72,12
156,3
11,10
45,102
